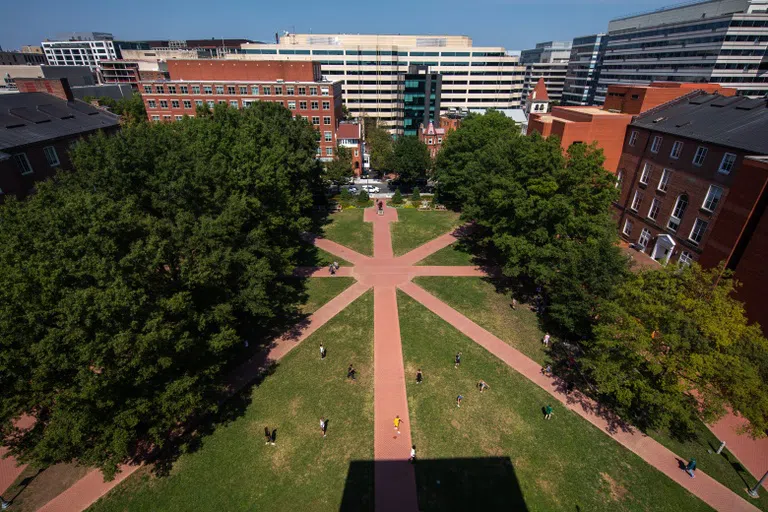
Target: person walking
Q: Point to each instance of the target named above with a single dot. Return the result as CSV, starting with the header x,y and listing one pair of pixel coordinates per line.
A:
x,y
545,341
332,268
351,372
548,410
267,435
457,360
458,400
412,458
323,426
691,467
336,265
419,376
322,351
273,436
397,422
482,385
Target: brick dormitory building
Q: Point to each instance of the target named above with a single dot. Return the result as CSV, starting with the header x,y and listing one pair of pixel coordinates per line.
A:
x,y
693,174
298,86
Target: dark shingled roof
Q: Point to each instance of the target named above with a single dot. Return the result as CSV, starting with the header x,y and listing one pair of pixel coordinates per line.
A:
x,y
737,122
29,118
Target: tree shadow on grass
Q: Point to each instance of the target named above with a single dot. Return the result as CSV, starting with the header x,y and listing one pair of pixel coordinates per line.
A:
x,y
486,483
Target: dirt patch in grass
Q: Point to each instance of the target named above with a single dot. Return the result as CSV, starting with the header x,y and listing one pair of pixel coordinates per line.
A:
x,y
617,491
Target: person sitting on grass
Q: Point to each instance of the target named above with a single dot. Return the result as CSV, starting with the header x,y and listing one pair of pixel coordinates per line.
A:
x,y
548,410
419,376
351,372
482,386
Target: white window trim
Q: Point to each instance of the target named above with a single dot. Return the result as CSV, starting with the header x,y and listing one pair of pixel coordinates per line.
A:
x,y
685,258
55,156
653,144
26,160
720,169
696,154
677,144
636,201
627,223
695,223
633,138
664,172
706,198
654,202
647,169
642,237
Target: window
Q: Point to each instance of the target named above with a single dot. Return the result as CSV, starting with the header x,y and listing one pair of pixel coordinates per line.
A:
x,y
677,148
23,163
357,152
678,212
633,138
267,90
243,89
627,227
656,144
151,103
315,105
328,136
211,103
289,90
637,200
175,103
324,91
327,120
697,233
51,156
328,151
429,141
171,89
184,89
653,211
187,104
230,89
713,197
664,180
292,105
195,89
645,237
727,163
326,105
619,179
147,89
302,91
316,121
313,91
179,118
199,103
160,89
303,105
163,104
439,140
207,89
685,259
701,154
234,104
646,174
255,89
278,90
156,118
219,89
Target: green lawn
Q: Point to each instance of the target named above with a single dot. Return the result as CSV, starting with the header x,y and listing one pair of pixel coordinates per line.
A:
x,y
500,442
455,254
235,471
348,229
478,300
322,289
414,228
312,256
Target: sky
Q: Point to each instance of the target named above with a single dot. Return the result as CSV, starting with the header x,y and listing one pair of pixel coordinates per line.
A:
x,y
513,24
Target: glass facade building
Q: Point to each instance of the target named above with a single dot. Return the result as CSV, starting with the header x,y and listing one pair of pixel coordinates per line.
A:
x,y
421,98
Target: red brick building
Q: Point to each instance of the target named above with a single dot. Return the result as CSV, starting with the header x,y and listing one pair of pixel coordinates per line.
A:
x,y
694,186
298,86
131,72
432,137
37,128
606,125
350,136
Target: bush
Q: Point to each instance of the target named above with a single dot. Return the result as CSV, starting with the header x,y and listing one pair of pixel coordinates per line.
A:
x,y
416,195
346,196
397,197
362,198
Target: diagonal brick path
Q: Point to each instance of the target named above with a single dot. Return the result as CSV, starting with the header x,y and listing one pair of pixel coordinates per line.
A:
x,y
395,485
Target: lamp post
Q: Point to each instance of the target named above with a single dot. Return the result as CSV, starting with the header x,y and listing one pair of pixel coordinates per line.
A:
x,y
753,491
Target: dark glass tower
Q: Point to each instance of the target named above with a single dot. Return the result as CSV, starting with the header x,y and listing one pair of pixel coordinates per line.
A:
x,y
421,98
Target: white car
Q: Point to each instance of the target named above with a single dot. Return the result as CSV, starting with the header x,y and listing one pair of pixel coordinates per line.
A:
x,y
371,189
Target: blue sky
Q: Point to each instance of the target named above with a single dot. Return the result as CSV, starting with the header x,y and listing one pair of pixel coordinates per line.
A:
x,y
514,24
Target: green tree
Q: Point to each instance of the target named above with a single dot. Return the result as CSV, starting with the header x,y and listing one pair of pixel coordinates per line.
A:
x,y
397,197
339,170
674,345
129,286
411,160
345,115
416,195
379,144
363,198
131,109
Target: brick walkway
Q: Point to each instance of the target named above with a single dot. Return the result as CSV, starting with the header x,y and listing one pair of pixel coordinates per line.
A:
x,y
752,453
394,479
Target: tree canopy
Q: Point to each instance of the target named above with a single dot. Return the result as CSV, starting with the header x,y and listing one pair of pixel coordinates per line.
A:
x,y
674,346
411,160
339,170
131,109
379,145
129,284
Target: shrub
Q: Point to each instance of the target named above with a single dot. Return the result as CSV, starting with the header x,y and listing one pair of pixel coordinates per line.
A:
x,y
416,195
346,196
397,197
362,198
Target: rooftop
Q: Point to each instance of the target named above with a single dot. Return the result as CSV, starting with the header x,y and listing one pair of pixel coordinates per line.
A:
x,y
29,118
737,122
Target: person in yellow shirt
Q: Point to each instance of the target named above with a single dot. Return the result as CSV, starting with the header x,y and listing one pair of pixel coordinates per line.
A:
x,y
397,423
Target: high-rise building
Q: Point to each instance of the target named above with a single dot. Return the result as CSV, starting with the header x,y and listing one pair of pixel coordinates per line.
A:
x,y
717,41
549,61
85,49
583,70
421,98
372,68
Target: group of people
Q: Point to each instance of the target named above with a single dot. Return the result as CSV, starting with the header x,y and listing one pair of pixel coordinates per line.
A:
x,y
333,267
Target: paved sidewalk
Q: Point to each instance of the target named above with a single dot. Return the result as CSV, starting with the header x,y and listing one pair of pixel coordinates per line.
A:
x,y
703,486
416,255
382,236
752,453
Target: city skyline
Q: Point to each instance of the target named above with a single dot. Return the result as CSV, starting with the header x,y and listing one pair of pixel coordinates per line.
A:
x,y
510,26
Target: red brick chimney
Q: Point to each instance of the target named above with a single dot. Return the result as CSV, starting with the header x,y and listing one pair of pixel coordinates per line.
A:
x,y
58,87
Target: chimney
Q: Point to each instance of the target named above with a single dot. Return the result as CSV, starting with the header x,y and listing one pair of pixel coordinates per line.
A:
x,y
58,87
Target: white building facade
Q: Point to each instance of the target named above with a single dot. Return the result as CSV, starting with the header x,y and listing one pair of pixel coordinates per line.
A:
x,y
371,69
79,53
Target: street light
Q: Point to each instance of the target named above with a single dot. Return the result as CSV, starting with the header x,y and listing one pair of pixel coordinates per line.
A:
x,y
753,491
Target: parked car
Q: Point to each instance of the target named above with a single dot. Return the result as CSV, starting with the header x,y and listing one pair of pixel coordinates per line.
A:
x,y
352,190
371,189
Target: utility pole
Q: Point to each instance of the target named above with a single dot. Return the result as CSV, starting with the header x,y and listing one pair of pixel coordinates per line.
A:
x,y
753,491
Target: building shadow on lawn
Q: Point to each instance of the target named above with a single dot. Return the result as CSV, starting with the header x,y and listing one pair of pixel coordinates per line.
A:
x,y
486,483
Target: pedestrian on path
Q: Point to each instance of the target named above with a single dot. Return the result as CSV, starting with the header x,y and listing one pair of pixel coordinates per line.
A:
x,y
273,436
548,410
691,467
412,458
322,351
267,435
336,265
323,426
457,360
547,370
332,268
419,376
458,400
545,341
351,372
397,423
482,385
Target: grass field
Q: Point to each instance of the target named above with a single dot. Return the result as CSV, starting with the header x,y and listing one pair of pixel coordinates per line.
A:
x,y
414,228
321,290
478,300
348,229
505,455
235,471
313,256
454,254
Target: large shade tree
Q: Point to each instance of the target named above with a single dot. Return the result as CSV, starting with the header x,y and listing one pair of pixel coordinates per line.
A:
x,y
129,285
411,160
